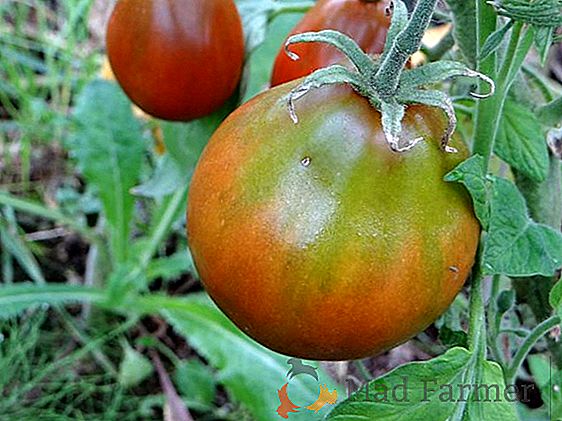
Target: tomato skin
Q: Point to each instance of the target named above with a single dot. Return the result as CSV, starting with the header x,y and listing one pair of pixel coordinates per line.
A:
x,y
366,22
316,239
176,59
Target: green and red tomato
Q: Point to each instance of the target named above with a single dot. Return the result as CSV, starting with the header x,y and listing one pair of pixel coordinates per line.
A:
x,y
318,240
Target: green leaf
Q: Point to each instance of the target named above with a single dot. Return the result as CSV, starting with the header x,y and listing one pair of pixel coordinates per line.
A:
x,y
556,297
18,297
453,338
549,381
436,389
543,41
166,179
515,245
134,368
493,401
171,267
505,301
184,144
196,382
251,373
256,14
417,392
108,146
471,174
260,63
17,247
494,41
521,142
550,114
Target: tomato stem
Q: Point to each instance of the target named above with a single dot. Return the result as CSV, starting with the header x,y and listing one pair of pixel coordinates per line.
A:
x,y
537,333
385,80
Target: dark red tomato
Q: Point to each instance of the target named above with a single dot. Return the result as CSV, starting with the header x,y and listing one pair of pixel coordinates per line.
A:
x,y
176,59
316,239
366,21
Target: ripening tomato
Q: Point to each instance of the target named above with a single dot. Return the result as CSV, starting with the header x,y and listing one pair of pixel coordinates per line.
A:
x,y
317,239
176,59
366,21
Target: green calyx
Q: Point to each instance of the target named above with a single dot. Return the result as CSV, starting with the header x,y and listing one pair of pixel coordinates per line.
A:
x,y
383,81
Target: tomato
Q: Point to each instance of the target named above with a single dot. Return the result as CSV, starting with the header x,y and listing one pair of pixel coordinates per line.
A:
x,y
365,21
318,240
176,59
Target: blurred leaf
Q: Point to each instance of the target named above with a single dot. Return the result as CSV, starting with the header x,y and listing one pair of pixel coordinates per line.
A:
x,y
134,368
543,41
196,382
251,373
172,267
256,14
18,297
167,178
506,301
260,62
551,114
184,144
17,247
555,298
521,142
549,381
108,146
464,29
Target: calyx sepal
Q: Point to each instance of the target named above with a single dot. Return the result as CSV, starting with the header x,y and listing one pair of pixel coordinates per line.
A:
x,y
372,77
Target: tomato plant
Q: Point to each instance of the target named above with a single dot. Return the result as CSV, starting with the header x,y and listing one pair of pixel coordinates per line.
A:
x,y
331,217
176,59
342,239
366,21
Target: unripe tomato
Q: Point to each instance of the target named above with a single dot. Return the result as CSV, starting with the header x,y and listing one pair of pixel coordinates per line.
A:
x,y
176,59
318,240
366,21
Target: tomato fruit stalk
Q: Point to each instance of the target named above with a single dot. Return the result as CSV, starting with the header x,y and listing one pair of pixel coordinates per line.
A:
x,y
365,21
176,59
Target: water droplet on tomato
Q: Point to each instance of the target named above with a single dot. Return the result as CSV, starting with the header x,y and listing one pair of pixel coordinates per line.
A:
x,y
305,162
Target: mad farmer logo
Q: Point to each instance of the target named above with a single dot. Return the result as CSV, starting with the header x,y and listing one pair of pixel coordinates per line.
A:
x,y
324,398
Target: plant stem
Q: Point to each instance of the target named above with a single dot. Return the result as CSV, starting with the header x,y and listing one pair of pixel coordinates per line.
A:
x,y
538,332
360,365
477,325
385,80
490,111
494,320
175,205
